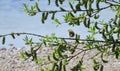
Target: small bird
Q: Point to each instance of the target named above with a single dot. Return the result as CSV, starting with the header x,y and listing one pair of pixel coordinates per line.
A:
x,y
71,33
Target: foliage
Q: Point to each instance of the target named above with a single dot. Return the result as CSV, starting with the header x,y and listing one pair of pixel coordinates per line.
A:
x,y
85,12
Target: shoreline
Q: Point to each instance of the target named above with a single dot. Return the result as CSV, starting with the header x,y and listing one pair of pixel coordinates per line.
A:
x,y
10,61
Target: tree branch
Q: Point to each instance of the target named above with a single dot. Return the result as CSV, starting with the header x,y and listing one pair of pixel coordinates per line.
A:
x,y
51,11
37,35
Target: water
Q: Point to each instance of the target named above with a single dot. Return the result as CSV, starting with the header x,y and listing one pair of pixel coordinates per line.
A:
x,y
14,19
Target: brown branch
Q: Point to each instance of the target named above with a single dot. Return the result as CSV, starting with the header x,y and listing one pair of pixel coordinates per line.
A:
x,y
54,11
37,35
71,57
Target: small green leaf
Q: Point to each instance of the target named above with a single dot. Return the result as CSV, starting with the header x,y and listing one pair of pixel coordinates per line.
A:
x,y
53,66
49,2
85,24
25,8
71,6
101,68
96,26
86,4
59,52
65,62
78,7
46,15
96,16
55,57
61,1
43,17
56,3
49,57
3,40
37,7
104,61
22,55
57,21
97,4
12,34
53,15
88,22
60,66
28,54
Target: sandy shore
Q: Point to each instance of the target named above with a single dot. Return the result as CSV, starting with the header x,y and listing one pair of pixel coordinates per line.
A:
x,y
10,61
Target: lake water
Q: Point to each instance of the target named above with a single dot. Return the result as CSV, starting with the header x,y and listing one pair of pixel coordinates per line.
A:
x,y
14,19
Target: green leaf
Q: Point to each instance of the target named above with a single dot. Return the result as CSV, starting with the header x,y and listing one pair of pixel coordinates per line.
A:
x,y
57,21
97,4
37,7
49,57
53,66
28,54
53,15
43,17
12,34
88,22
22,55
86,2
56,3
103,35
101,68
61,1
59,52
96,26
96,16
85,24
49,2
38,60
46,15
71,6
41,69
65,62
3,40
55,57
25,8
78,7
60,66
104,61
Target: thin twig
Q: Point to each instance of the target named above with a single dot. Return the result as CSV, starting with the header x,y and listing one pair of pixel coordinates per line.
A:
x,y
54,11
37,35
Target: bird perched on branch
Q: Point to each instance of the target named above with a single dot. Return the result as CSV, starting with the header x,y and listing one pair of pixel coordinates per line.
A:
x,y
71,33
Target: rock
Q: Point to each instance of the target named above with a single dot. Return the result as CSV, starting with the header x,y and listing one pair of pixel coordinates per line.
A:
x,y
3,49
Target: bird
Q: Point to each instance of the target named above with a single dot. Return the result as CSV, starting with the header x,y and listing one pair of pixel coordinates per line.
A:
x,y
71,33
